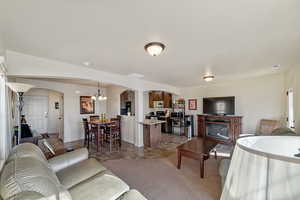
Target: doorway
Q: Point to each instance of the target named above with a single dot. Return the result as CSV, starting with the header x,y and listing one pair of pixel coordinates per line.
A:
x,y
43,112
36,113
127,103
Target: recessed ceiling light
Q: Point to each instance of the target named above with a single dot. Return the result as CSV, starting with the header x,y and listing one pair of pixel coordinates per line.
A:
x,y
135,75
154,48
208,78
86,63
276,66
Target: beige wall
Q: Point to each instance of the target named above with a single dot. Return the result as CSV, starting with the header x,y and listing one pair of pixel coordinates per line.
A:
x,y
292,80
2,48
113,100
73,129
256,98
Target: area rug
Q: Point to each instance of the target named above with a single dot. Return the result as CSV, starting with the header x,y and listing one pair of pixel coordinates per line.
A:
x,y
159,179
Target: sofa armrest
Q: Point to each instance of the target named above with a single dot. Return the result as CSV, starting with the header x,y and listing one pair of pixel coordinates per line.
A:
x,y
68,159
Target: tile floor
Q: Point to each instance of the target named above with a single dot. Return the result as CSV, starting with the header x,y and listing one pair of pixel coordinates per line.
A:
x,y
127,151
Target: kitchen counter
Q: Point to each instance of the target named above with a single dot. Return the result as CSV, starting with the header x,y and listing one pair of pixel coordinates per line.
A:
x,y
152,122
152,132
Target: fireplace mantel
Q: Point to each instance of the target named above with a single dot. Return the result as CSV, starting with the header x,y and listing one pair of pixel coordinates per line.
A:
x,y
230,124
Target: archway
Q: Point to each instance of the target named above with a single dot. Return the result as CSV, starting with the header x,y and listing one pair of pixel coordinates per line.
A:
x,y
44,111
127,103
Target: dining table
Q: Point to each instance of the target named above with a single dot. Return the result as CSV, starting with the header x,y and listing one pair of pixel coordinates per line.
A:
x,y
102,125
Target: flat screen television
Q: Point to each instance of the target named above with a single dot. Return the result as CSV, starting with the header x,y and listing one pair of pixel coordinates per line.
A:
x,y
219,105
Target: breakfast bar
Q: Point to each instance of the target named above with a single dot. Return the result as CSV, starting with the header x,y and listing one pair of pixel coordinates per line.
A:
x,y
152,132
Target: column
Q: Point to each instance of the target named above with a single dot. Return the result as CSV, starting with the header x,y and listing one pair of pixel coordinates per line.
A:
x,y
139,117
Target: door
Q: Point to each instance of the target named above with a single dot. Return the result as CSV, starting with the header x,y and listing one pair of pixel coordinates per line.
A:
x,y
36,113
61,118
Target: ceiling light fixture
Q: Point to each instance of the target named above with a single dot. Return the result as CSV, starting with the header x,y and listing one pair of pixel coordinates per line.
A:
x,y
135,75
100,96
208,78
276,66
87,63
154,48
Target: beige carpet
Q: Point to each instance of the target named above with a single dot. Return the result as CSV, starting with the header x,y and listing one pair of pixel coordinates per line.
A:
x,y
159,179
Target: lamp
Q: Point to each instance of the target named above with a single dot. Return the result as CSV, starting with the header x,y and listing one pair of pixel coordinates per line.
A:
x,y
264,168
154,48
20,89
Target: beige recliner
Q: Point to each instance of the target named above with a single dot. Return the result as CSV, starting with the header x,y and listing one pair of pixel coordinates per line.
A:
x,y
27,175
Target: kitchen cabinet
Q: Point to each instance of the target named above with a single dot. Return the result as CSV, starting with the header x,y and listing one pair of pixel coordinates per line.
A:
x,y
165,97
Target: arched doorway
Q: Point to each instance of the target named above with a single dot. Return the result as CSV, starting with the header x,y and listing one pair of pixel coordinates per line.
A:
x,y
44,111
127,103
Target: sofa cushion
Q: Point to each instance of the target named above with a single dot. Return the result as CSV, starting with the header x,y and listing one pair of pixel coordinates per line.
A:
x,y
29,174
132,195
27,150
102,186
79,172
68,159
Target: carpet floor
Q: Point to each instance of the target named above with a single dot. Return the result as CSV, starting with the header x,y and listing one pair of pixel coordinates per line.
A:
x,y
159,179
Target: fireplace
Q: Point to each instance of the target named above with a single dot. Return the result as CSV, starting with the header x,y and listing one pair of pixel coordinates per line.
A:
x,y
222,129
218,131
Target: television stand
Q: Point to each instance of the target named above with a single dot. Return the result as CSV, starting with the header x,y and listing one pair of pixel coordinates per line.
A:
x,y
222,129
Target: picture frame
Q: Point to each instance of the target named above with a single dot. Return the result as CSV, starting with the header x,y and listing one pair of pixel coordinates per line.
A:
x,y
192,104
87,105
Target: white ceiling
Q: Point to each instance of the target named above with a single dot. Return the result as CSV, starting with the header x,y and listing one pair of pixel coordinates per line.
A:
x,y
231,39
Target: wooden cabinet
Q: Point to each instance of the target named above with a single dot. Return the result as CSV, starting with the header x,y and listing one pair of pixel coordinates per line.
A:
x,y
167,98
160,96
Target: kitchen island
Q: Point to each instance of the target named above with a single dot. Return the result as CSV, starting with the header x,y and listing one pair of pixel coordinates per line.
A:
x,y
152,132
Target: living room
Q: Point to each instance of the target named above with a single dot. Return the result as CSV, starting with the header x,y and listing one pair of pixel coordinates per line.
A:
x,y
186,53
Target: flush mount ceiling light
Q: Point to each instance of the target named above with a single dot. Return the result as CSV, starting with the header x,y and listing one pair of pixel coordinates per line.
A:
x,y
154,48
208,78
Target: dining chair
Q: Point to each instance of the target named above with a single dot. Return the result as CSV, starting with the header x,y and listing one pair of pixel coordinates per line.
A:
x,y
116,131
86,132
119,130
94,134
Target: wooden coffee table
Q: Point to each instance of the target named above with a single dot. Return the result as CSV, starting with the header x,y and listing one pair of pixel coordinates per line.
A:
x,y
197,149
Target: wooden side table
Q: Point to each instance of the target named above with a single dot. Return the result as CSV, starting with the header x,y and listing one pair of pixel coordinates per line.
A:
x,y
197,149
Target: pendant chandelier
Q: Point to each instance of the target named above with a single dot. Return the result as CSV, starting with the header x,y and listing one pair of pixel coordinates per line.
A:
x,y
99,95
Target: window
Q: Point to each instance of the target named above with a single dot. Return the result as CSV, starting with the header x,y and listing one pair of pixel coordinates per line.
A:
x,y
5,142
3,117
290,119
